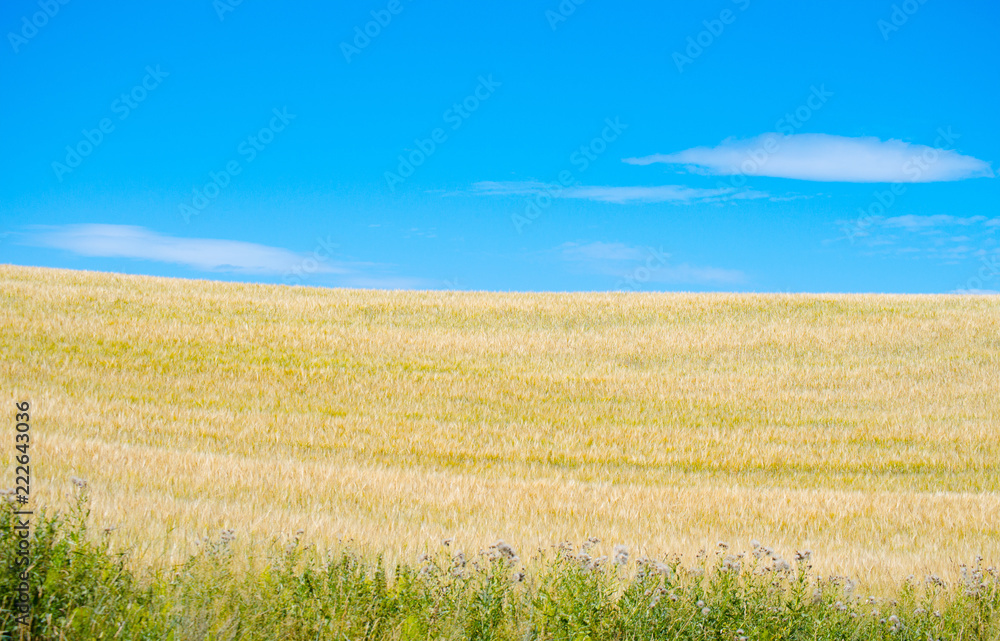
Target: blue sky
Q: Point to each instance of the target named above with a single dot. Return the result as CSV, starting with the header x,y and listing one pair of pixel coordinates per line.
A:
x,y
729,145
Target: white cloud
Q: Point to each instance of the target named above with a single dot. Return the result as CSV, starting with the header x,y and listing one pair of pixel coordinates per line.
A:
x,y
941,237
599,251
211,255
511,188
685,273
388,282
826,158
915,223
659,194
640,265
620,195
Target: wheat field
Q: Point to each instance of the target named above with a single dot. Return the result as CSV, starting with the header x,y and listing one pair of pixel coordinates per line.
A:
x,y
865,428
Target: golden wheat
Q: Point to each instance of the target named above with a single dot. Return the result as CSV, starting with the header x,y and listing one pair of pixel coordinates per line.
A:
x,y
863,427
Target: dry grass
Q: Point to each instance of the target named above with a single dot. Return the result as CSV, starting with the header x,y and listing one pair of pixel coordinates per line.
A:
x,y
863,427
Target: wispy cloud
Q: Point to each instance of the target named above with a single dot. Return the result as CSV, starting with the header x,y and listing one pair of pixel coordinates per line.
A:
x,y
389,282
826,158
917,223
693,274
205,254
620,195
637,264
937,224
940,237
599,252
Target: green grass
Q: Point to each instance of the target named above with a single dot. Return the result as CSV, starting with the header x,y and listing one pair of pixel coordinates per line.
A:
x,y
81,589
